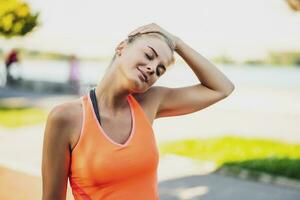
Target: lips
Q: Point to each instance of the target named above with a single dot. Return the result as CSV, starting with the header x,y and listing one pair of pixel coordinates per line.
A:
x,y
144,75
141,77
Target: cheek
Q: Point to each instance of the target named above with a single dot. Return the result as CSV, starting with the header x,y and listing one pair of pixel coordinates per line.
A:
x,y
134,55
153,80
129,64
134,62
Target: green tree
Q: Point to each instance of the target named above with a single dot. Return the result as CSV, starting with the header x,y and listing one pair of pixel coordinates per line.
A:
x,y
16,18
284,58
223,59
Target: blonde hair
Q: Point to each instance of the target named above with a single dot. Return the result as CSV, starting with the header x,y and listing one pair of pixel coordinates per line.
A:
x,y
155,34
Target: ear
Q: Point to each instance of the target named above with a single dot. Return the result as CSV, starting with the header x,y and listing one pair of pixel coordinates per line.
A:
x,y
122,45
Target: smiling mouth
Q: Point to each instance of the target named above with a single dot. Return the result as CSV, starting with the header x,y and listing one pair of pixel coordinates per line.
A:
x,y
144,78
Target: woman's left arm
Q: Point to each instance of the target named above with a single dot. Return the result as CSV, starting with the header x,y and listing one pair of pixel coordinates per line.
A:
x,y
206,72
213,87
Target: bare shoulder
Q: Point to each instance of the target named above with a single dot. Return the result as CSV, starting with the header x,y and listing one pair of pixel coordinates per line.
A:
x,y
150,100
154,93
66,112
66,118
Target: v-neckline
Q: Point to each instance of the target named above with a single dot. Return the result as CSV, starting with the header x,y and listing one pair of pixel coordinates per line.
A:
x,y
102,129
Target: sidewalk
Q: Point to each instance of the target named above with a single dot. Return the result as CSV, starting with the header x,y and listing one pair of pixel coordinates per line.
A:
x,y
16,185
179,178
217,187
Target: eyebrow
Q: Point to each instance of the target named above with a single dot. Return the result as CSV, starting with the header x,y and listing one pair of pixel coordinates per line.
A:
x,y
153,51
160,65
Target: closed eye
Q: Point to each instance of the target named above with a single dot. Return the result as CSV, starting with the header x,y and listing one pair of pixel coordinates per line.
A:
x,y
148,57
158,71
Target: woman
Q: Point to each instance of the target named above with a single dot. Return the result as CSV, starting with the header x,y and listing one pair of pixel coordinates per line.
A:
x,y
104,142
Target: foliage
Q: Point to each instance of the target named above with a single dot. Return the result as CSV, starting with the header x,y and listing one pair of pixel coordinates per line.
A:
x,y
223,59
284,58
18,117
16,18
255,154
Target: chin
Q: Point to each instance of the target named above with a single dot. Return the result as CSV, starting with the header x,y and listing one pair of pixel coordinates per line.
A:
x,y
138,88
137,85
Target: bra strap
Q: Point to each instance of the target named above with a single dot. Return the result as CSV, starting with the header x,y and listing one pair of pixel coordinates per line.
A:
x,y
95,104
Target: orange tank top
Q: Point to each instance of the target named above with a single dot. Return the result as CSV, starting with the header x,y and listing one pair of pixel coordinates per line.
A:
x,y
102,169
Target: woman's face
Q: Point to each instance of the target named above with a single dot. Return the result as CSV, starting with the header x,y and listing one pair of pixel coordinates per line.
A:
x,y
146,55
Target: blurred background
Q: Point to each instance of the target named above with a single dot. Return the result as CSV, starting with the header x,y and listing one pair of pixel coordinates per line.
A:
x,y
55,51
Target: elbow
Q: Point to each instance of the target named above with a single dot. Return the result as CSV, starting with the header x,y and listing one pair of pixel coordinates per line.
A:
x,y
229,91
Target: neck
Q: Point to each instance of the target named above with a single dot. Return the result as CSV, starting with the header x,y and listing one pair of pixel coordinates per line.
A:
x,y
112,92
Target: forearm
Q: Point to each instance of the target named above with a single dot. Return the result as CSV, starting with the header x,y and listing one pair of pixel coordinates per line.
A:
x,y
206,72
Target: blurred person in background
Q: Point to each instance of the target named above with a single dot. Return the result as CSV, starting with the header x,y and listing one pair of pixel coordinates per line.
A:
x,y
74,74
11,58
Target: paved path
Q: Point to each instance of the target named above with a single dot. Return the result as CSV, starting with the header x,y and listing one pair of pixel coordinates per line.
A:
x,y
179,177
217,187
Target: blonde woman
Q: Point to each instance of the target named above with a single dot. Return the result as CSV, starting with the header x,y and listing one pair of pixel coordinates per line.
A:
x,y
104,141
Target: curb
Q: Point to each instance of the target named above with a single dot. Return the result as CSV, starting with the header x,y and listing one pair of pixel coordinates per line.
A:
x,y
208,167
257,176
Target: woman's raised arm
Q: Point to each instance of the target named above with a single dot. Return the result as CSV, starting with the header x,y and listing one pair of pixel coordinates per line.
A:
x,y
213,87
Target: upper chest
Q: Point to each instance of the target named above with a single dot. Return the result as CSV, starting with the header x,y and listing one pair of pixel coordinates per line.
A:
x,y
117,129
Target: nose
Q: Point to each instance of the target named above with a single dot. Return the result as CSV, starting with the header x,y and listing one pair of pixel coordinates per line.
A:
x,y
151,68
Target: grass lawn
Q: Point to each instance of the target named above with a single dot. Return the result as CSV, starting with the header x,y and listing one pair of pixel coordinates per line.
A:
x,y
16,118
253,154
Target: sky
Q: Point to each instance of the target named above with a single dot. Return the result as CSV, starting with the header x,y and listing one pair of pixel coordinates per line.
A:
x,y
237,28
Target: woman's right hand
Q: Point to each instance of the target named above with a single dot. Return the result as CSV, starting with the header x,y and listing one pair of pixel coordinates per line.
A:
x,y
153,27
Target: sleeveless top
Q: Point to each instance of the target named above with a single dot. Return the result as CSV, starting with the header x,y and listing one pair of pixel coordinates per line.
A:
x,y
103,169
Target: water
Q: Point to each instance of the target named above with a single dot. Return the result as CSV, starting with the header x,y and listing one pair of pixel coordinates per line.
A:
x,y
263,88
265,102
177,76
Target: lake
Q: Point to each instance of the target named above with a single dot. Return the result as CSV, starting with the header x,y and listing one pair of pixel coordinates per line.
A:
x,y
178,75
265,102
